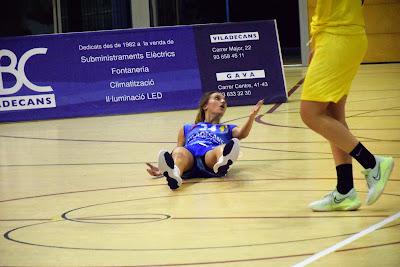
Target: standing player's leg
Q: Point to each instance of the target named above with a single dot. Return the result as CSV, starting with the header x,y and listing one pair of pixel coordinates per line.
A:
x,y
344,197
343,161
377,169
315,115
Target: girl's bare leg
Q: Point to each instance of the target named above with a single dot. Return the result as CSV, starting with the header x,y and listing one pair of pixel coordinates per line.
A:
x,y
183,158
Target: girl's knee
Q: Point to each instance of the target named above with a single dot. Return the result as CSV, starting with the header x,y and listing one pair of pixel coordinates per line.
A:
x,y
180,152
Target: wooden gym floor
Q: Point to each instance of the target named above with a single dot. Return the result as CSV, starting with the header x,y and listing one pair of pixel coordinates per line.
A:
x,y
75,192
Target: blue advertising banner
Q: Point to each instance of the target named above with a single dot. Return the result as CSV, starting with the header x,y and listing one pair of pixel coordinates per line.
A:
x,y
138,70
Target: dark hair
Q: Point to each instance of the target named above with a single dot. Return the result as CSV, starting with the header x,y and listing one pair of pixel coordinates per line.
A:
x,y
203,101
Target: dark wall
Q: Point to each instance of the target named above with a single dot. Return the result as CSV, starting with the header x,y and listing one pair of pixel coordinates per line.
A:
x,y
24,17
286,12
186,12
93,15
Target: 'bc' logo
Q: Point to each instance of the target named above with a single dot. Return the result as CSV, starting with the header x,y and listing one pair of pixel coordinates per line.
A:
x,y
19,71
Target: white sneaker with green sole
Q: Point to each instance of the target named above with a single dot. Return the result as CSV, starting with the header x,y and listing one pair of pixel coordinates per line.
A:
x,y
334,201
378,177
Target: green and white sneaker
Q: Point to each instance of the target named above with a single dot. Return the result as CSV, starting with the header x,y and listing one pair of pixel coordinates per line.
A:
x,y
335,201
378,177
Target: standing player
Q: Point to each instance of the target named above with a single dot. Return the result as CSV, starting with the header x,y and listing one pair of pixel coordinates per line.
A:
x,y
338,45
206,148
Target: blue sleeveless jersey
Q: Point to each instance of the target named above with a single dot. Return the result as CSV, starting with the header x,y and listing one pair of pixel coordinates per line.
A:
x,y
204,136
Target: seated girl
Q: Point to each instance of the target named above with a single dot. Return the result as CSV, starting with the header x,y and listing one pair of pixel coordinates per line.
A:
x,y
206,148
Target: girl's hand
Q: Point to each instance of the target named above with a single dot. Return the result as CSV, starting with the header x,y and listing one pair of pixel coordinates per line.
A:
x,y
256,108
153,171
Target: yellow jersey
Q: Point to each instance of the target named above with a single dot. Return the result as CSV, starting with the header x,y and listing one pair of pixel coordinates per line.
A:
x,y
338,17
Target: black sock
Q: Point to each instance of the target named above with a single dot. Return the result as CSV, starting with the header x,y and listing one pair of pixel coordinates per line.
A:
x,y
344,178
363,156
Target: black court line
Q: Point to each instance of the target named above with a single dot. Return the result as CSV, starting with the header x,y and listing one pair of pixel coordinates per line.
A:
x,y
287,151
372,99
152,142
8,237
375,90
154,162
143,163
23,220
189,181
259,120
296,109
68,217
113,217
371,111
87,140
281,217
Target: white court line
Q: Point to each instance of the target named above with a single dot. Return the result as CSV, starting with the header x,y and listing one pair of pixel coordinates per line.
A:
x,y
347,241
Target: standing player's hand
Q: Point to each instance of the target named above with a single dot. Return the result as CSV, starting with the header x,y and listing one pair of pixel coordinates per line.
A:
x,y
310,45
153,171
310,56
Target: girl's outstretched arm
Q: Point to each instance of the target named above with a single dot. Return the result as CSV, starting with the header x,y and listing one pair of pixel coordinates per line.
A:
x,y
243,131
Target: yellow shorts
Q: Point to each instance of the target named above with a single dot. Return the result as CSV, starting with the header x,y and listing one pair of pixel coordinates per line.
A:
x,y
335,63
